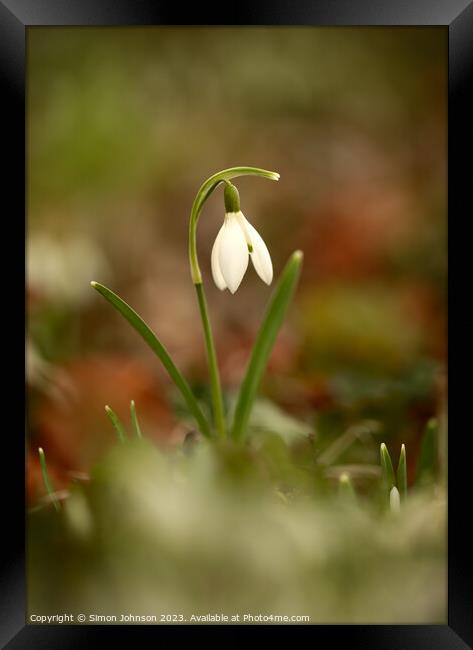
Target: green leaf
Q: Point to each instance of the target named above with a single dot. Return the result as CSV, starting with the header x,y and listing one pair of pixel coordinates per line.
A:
x,y
134,420
387,467
151,339
46,479
402,473
272,322
427,460
117,425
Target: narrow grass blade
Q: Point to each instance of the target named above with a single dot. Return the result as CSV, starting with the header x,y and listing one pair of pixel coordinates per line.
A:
x,y
345,487
151,339
272,322
46,479
134,420
427,461
402,473
117,425
387,467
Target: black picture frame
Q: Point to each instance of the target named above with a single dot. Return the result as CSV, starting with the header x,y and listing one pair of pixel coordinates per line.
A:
x,y
15,17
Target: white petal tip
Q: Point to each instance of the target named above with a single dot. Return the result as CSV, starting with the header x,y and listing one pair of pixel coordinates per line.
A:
x,y
264,271
266,274
219,282
93,283
234,289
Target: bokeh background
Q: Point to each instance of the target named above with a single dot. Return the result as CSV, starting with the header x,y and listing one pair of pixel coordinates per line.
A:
x,y
123,127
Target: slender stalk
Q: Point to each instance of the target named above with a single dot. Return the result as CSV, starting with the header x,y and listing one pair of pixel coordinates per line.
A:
x,y
217,400
202,195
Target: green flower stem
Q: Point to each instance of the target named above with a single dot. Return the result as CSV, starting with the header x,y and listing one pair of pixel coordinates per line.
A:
x,y
158,348
203,194
269,329
217,400
46,479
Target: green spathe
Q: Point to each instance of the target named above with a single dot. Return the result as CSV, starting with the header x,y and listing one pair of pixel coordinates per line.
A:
x,y
231,198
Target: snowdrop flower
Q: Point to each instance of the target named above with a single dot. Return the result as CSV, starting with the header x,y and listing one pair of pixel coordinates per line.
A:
x,y
236,242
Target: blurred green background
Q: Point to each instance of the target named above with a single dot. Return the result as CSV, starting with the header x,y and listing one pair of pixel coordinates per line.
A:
x,y
123,127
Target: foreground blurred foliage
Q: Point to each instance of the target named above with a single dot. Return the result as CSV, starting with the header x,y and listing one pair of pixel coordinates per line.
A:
x,y
236,530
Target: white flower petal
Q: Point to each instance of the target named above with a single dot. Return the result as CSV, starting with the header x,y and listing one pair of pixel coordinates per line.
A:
x,y
232,253
260,255
215,264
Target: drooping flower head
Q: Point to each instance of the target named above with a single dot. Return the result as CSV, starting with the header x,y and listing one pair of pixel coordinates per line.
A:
x,y
236,242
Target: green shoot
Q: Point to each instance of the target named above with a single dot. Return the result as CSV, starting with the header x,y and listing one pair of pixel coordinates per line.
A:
x,y
46,479
387,467
402,473
117,425
134,420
